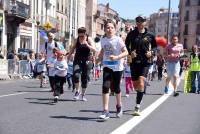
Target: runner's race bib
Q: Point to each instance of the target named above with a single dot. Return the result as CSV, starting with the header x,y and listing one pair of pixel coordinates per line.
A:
x,y
111,64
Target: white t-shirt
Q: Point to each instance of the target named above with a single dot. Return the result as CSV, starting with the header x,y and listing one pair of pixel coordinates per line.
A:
x,y
97,67
70,67
112,46
61,68
127,71
52,70
40,67
50,47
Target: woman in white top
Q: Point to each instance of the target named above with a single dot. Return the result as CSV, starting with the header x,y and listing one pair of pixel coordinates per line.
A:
x,y
112,51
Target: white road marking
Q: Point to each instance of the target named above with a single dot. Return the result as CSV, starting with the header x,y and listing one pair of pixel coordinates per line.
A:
x,y
7,95
134,121
12,94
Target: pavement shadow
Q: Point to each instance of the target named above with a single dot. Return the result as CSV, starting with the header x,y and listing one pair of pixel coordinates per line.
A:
x,y
96,119
153,94
127,112
46,101
95,111
40,91
92,94
75,118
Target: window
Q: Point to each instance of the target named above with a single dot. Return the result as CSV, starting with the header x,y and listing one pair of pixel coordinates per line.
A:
x,y
185,43
198,40
57,8
198,29
186,29
187,3
187,16
198,15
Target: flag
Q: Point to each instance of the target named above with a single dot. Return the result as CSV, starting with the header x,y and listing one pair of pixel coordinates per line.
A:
x,y
43,34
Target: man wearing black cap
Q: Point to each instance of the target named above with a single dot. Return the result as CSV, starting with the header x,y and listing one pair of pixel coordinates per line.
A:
x,y
140,44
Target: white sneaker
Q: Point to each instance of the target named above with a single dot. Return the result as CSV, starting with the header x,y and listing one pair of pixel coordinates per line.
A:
x,y
76,96
83,98
127,95
104,116
56,99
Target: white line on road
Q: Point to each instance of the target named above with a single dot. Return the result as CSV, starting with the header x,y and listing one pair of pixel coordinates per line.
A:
x,y
12,94
130,124
1,96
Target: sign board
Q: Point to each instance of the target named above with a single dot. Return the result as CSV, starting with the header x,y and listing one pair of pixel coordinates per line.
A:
x,y
3,67
48,26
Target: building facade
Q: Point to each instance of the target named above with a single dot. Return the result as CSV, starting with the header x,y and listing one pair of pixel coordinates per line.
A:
x,y
105,12
160,26
16,13
91,16
62,15
189,22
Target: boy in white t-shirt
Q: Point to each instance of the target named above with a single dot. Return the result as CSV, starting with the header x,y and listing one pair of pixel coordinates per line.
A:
x,y
39,69
51,73
60,74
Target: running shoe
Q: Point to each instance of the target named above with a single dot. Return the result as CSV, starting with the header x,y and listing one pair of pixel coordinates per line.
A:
x,y
83,98
105,115
136,111
166,90
175,94
127,95
119,112
76,96
56,99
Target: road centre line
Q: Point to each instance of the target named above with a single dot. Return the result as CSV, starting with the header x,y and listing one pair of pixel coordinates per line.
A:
x,y
134,121
7,95
12,94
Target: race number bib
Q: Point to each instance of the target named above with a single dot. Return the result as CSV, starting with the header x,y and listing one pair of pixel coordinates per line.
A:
x,y
111,64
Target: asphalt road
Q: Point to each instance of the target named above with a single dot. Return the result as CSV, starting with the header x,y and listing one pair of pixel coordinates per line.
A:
x,y
28,109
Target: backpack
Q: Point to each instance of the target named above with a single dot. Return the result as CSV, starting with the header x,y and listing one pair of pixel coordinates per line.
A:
x,y
56,45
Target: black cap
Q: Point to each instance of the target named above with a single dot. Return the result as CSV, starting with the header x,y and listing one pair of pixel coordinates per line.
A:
x,y
140,19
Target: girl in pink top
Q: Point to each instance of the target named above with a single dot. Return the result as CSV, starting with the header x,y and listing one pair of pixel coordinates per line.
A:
x,y
174,51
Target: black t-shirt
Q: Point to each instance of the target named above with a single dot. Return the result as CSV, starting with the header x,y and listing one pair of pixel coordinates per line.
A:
x,y
141,42
82,52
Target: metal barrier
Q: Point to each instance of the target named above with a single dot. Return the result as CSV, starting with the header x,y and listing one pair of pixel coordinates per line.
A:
x,y
13,67
3,69
21,68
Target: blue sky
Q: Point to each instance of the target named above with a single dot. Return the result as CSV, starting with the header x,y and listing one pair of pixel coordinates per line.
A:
x,y
129,9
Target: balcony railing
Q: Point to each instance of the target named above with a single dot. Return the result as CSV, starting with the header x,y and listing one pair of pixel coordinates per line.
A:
x,y
19,9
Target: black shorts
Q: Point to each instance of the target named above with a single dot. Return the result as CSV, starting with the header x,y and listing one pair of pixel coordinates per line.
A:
x,y
137,71
111,80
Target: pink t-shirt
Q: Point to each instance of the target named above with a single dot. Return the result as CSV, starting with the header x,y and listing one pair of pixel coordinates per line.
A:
x,y
174,52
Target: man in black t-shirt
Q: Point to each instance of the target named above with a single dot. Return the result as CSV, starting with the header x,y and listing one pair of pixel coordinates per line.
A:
x,y
140,44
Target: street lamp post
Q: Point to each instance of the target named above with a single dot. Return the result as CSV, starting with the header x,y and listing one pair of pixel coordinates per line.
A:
x,y
37,46
168,20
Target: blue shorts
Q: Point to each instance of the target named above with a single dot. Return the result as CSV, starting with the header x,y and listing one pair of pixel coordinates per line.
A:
x,y
173,69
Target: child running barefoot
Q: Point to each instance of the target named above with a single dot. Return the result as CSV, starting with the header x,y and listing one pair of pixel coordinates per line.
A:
x,y
60,74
